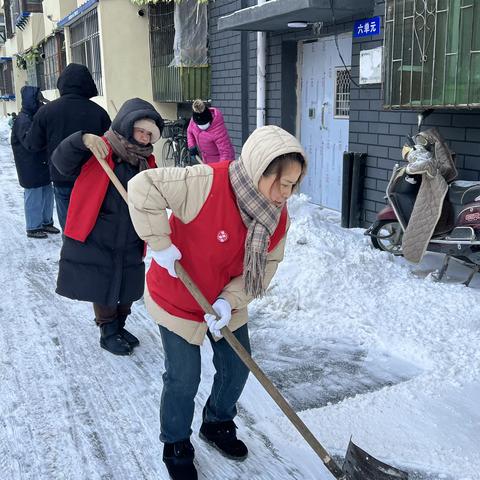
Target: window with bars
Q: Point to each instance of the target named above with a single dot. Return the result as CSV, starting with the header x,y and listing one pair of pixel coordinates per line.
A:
x,y
432,53
3,31
55,59
171,83
19,11
342,93
35,73
7,87
85,46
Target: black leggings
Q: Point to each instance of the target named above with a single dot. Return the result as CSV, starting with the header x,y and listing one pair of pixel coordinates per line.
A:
x,y
109,313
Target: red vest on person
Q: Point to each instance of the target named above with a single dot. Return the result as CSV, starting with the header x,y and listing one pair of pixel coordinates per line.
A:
x,y
87,196
212,246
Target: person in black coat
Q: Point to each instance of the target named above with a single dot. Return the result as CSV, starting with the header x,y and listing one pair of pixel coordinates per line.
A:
x,y
101,260
32,170
72,112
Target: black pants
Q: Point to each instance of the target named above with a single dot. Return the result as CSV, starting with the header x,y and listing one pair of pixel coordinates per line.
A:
x,y
109,313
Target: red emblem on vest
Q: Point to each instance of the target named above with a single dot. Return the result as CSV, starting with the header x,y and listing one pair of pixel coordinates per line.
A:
x,y
222,236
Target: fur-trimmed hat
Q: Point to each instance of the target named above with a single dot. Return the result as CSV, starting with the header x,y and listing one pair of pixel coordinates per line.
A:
x,y
150,126
201,113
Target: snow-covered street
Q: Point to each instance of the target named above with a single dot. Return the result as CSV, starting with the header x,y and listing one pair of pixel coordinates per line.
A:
x,y
361,343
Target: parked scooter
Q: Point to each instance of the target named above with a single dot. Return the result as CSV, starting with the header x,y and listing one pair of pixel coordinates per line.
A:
x,y
457,233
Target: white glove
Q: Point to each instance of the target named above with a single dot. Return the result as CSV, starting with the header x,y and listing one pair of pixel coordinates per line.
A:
x,y
96,145
224,312
166,258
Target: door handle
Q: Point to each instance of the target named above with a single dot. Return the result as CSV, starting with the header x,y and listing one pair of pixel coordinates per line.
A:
x,y
324,104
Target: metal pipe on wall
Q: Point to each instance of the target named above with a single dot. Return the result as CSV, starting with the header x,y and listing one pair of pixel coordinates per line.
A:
x,y
261,74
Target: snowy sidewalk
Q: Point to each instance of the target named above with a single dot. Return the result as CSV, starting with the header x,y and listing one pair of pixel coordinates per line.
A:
x,y
354,339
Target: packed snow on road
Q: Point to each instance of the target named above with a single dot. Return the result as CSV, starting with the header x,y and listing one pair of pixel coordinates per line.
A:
x,y
361,343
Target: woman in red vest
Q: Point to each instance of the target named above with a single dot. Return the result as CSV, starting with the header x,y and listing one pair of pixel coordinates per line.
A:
x,y
102,256
228,227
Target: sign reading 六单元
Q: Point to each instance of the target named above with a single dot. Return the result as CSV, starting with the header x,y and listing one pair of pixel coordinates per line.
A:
x,y
366,27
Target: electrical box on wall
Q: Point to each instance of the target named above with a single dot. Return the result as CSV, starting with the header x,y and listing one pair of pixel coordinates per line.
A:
x,y
371,66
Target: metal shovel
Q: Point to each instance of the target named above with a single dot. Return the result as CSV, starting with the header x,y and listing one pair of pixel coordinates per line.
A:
x,y
358,464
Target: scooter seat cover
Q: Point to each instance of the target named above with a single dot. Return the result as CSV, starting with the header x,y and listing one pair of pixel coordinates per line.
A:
x,y
462,192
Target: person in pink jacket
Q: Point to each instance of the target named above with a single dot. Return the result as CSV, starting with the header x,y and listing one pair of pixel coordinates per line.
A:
x,y
207,134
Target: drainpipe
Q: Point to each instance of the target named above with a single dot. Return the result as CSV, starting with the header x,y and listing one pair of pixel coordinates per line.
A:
x,y
261,78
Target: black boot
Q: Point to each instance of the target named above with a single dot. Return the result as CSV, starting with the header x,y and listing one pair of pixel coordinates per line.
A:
x,y
111,340
178,457
38,233
131,339
50,228
223,435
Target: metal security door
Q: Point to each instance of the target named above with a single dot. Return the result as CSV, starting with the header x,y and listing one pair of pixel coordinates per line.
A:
x,y
324,105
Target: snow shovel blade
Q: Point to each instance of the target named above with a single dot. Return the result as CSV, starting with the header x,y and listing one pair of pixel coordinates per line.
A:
x,y
359,465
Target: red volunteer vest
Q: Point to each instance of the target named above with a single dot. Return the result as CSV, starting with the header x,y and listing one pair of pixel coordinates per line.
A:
x,y
212,246
87,196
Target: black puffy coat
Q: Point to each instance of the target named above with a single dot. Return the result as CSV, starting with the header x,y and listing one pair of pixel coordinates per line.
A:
x,y
70,113
108,267
32,167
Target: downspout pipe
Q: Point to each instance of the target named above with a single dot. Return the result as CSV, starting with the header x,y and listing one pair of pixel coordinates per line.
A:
x,y
261,76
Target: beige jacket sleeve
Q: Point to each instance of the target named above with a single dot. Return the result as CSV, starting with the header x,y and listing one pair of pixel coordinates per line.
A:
x,y
151,192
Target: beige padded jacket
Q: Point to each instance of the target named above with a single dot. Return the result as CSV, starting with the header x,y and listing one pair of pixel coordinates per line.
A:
x,y
184,191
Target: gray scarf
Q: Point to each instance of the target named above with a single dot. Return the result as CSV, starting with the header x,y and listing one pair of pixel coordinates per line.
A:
x,y
261,218
135,155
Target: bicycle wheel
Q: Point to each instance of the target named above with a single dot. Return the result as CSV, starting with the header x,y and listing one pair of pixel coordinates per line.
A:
x,y
185,160
167,159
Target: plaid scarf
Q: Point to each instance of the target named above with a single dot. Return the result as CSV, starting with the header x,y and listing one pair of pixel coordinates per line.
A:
x,y
136,155
261,218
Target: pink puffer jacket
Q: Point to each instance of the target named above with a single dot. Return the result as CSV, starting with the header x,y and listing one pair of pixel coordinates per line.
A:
x,y
214,143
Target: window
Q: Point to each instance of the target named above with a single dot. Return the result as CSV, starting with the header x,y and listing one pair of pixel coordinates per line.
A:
x,y
55,59
35,72
85,46
342,93
9,27
3,31
7,89
432,53
172,83
17,13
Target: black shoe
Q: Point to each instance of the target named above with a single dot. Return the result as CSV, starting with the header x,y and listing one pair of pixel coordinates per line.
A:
x,y
130,338
50,229
111,340
39,233
178,458
223,435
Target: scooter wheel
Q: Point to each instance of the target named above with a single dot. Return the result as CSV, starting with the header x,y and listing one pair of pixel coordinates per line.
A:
x,y
387,235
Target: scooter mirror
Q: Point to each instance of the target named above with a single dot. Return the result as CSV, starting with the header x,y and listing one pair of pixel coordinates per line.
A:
x,y
419,120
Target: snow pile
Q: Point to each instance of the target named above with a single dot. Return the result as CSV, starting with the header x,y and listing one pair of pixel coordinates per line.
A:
x,y
334,288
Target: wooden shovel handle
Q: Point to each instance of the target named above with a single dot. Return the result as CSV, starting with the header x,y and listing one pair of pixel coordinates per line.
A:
x,y
244,356
261,377
113,178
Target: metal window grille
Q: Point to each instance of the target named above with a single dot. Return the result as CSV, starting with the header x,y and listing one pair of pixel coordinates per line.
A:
x,y
342,93
55,59
162,33
172,84
85,46
14,13
432,53
3,30
6,74
8,18
35,73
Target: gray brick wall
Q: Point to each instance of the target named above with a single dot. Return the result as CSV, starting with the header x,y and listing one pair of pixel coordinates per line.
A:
x,y
381,133
373,130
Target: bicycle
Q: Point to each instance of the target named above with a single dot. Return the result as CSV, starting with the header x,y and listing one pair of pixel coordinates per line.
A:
x,y
175,150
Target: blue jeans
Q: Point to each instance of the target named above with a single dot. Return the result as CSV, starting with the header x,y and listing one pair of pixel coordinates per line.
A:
x,y
182,378
38,206
62,199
